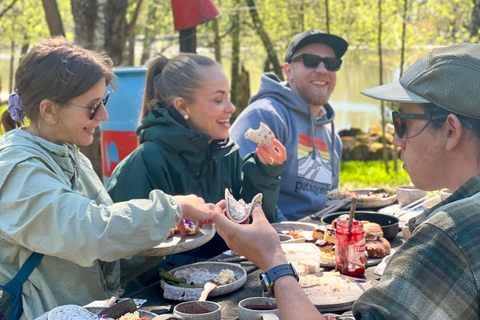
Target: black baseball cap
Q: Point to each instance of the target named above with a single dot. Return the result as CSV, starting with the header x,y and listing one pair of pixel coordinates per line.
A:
x,y
339,45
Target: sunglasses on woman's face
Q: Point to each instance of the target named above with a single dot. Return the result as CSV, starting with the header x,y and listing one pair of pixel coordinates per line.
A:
x,y
312,61
93,109
400,122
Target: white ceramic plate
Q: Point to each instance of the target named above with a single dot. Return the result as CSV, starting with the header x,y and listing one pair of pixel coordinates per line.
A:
x,y
96,311
364,203
179,243
370,262
287,226
188,294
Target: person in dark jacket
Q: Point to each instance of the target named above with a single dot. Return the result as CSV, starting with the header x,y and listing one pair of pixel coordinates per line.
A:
x,y
185,145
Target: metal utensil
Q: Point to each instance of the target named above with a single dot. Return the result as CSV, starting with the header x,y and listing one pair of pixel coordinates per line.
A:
x,y
331,208
419,205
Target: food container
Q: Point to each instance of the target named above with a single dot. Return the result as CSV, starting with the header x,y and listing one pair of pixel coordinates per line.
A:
x,y
409,194
444,194
305,257
350,249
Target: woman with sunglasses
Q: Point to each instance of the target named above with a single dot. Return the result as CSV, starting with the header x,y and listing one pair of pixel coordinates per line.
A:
x,y
435,273
298,112
51,200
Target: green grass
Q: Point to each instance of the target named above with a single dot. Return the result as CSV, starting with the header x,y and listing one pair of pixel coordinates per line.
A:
x,y
371,174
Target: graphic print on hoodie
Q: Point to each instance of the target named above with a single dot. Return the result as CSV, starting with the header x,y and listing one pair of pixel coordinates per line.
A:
x,y
314,163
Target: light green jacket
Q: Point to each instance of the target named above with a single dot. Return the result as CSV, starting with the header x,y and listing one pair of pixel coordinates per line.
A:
x,y
80,231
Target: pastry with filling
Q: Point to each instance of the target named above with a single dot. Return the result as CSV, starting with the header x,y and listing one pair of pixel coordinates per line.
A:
x,y
261,134
324,246
239,211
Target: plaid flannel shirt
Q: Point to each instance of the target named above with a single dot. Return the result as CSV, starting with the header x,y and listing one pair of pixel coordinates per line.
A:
x,y
435,274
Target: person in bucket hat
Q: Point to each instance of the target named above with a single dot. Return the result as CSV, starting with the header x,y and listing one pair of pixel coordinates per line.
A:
x,y
298,113
435,273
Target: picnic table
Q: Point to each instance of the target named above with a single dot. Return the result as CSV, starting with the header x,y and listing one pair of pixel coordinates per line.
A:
x,y
229,302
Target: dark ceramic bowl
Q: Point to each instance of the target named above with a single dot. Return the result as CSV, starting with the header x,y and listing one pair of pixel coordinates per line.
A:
x,y
388,223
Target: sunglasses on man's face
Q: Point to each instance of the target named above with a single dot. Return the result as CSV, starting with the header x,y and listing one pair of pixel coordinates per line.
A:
x,y
312,61
400,123
93,109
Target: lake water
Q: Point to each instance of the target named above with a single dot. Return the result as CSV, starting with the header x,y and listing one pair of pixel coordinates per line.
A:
x,y
351,107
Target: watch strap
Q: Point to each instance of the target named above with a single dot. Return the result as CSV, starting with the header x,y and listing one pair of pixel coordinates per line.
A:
x,y
280,271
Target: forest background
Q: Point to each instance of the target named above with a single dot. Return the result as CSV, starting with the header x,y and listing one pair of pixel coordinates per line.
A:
x,y
398,32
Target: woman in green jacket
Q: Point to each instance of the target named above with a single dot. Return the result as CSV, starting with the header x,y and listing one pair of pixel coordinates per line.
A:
x,y
185,145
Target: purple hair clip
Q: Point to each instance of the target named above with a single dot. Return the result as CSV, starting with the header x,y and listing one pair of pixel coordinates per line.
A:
x,y
15,107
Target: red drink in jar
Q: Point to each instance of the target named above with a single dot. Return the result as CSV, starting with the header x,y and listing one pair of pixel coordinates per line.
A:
x,y
350,249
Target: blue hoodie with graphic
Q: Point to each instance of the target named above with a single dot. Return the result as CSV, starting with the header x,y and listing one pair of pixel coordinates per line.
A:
x,y
313,148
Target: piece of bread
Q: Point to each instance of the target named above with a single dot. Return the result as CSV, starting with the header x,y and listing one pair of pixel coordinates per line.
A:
x,y
343,217
330,236
377,248
324,246
261,134
373,231
319,232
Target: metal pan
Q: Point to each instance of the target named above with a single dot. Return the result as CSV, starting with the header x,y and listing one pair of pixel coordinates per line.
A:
x,y
387,222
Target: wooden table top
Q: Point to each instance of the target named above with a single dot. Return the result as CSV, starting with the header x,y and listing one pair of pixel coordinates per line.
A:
x,y
229,302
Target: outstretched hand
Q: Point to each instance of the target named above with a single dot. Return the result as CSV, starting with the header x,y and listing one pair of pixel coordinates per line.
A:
x,y
257,241
195,209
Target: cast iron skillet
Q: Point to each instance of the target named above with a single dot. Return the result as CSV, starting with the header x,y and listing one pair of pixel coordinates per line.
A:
x,y
388,222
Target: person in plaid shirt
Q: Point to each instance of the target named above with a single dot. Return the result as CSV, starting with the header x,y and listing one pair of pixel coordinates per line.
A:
x,y
435,274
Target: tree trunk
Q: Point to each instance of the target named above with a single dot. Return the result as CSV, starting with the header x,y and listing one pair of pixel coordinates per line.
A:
x,y
475,21
12,60
149,35
271,52
380,62
327,16
217,44
116,29
235,66
131,49
54,20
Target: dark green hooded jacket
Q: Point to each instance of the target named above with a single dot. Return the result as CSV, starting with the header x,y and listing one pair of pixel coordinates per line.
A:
x,y
180,161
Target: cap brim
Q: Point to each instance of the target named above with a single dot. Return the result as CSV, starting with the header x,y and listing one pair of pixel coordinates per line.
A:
x,y
393,92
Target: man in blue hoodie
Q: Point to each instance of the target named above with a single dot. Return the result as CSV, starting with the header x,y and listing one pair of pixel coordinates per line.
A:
x,y
298,113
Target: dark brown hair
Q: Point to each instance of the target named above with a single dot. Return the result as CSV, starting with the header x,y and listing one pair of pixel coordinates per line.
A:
x,y
167,79
57,70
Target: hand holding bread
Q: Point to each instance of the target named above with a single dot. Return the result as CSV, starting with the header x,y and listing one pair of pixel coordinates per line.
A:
x,y
269,150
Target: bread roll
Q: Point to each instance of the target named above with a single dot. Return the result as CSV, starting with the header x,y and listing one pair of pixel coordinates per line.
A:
x,y
373,231
377,248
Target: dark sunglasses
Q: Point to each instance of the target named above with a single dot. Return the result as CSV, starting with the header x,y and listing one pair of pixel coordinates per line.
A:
x,y
312,61
400,122
93,109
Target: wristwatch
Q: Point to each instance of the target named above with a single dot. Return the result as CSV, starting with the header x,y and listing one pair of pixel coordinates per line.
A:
x,y
268,278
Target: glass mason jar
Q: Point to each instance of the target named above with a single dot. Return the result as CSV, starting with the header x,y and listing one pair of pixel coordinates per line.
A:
x,y
350,249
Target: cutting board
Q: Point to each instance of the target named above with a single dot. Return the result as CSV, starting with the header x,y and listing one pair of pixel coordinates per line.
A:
x,y
334,292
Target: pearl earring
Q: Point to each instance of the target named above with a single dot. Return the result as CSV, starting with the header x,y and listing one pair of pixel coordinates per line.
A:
x,y
186,117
